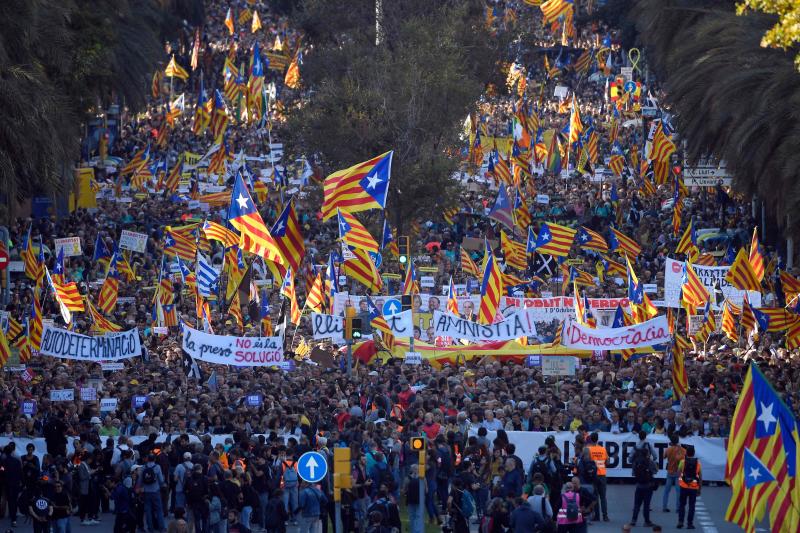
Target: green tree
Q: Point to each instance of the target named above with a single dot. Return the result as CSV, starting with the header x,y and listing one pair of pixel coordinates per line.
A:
x,y
60,60
410,94
786,32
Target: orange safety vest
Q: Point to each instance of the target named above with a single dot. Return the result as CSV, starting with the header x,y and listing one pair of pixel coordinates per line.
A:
x,y
689,484
599,456
240,463
397,411
284,466
223,461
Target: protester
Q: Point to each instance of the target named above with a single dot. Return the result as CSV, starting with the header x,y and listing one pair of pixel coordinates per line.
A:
x,y
690,483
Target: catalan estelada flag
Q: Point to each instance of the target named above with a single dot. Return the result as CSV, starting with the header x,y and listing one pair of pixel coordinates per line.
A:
x,y
662,147
491,289
287,290
591,240
522,215
358,188
764,426
688,243
29,256
554,239
452,302
289,238
729,326
107,297
174,70
552,10
5,351
177,244
229,22
362,269
244,216
410,283
622,244
741,274
315,298
709,325
353,233
219,117
218,232
514,252
99,322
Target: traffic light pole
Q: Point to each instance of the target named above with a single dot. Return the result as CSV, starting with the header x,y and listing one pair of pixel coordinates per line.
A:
x,y
349,357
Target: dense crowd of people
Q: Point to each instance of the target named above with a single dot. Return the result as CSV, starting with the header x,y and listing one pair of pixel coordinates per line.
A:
x,y
195,456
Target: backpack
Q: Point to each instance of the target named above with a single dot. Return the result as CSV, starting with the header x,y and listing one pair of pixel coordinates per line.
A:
x,y
467,504
540,467
381,506
487,524
193,488
641,471
572,511
589,469
689,474
149,475
290,477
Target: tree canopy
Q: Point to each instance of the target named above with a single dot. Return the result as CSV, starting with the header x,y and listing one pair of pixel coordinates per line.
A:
x,y
61,59
410,94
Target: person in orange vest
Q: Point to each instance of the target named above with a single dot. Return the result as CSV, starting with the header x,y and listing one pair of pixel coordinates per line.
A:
x,y
599,455
690,482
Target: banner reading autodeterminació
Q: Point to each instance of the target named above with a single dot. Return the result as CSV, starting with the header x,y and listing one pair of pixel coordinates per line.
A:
x,y
654,331
57,342
514,326
233,351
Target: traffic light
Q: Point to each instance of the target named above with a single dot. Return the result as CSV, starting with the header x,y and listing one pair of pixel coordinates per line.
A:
x,y
417,444
405,302
403,248
355,328
349,318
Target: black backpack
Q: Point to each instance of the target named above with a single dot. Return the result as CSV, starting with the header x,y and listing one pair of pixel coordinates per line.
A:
x,y
572,510
689,474
540,467
149,475
642,472
589,469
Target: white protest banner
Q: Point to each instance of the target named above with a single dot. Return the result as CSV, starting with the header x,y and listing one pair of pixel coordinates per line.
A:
x,y
332,327
233,351
542,199
654,331
71,246
427,281
112,367
558,365
558,307
62,395
135,242
514,326
421,303
88,394
57,342
327,327
709,276
108,404
620,448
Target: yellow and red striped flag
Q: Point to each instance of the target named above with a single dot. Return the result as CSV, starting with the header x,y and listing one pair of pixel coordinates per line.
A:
x,y
288,291
358,188
174,70
491,289
790,286
662,147
362,269
729,322
623,244
552,10
177,244
107,297
688,243
680,381
218,232
100,323
254,235
514,252
410,283
468,265
5,351
741,274
693,292
289,238
315,299
554,239
353,233
756,258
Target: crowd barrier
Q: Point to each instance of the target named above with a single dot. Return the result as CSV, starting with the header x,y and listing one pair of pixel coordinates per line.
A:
x,y
710,450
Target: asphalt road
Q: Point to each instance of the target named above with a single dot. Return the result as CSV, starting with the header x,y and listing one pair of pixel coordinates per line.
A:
x,y
709,518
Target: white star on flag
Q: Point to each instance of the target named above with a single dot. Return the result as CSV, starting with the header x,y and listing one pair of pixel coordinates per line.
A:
x,y
242,201
372,181
755,473
766,417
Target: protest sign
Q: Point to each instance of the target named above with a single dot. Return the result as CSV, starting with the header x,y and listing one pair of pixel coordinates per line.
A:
x,y
709,277
88,394
112,367
71,246
28,407
421,303
108,404
62,395
558,365
518,324
654,331
57,342
332,327
233,351
138,401
413,358
135,242
254,400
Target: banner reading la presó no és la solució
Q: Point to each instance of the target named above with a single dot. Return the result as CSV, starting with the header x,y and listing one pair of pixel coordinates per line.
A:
x,y
233,351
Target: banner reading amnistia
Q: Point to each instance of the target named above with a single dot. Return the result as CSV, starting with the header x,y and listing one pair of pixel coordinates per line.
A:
x,y
518,324
233,351
57,342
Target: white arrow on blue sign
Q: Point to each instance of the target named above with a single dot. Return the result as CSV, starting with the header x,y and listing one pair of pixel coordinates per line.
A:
x,y
312,467
391,307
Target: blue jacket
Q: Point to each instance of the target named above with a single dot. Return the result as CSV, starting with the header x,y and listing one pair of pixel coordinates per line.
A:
x,y
311,502
512,483
525,520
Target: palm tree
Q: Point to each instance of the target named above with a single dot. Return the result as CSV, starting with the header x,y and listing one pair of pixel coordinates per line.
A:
x,y
732,98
